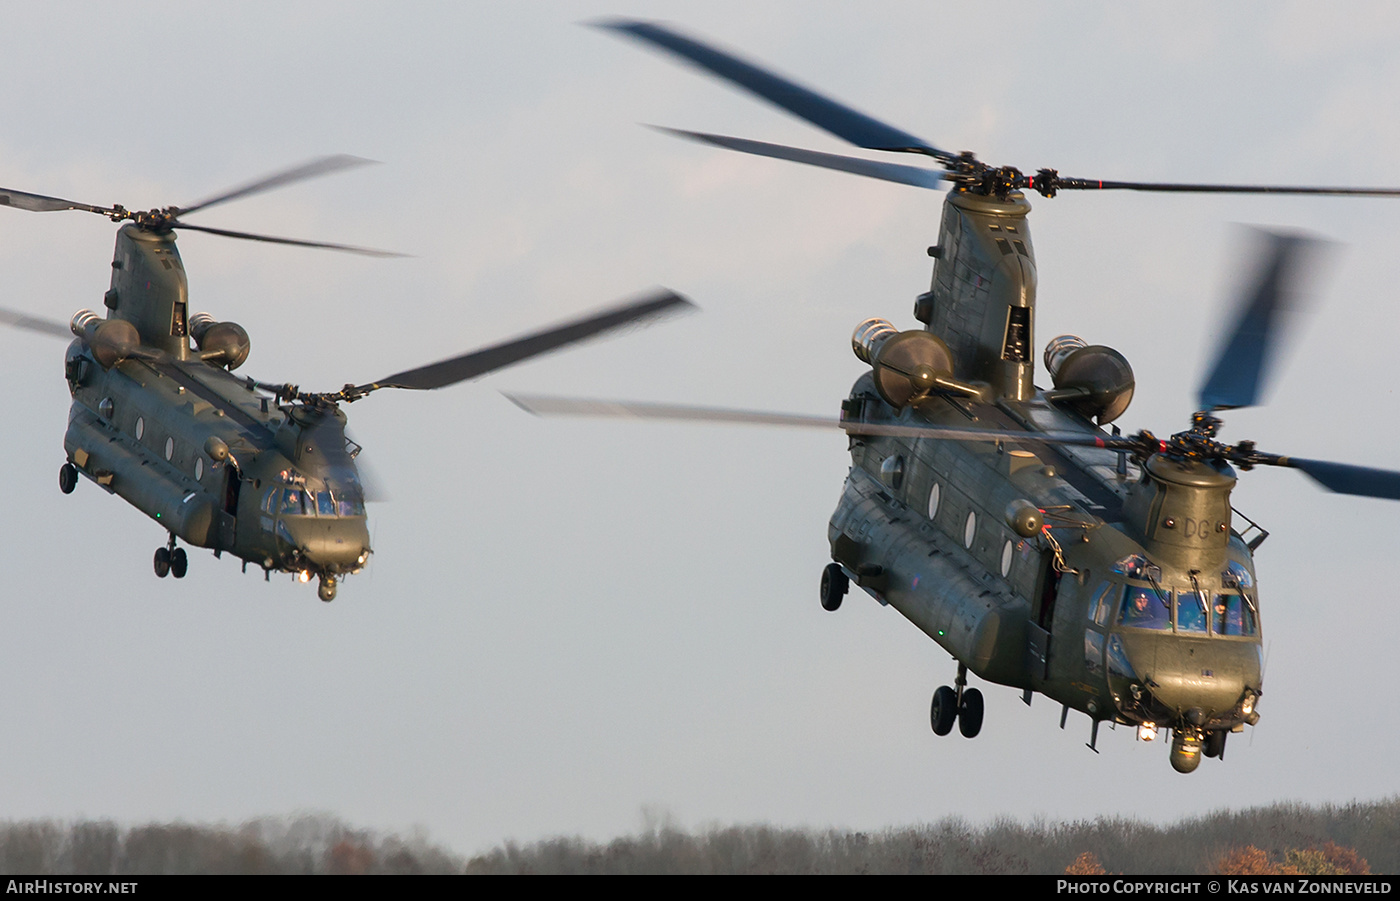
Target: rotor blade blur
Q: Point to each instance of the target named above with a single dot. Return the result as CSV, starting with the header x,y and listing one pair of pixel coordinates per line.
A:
x,y
1244,360
1089,184
35,324
489,359
823,112
542,405
317,167
895,172
247,236
38,203
1345,478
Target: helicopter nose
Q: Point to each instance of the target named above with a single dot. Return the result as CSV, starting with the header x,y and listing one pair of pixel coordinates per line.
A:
x,y
332,545
1208,677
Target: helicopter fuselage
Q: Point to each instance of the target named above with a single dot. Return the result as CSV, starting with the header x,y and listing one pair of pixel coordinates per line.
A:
x,y
213,461
1105,609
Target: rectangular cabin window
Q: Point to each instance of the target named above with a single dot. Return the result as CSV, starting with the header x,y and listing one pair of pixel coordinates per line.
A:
x,y
177,323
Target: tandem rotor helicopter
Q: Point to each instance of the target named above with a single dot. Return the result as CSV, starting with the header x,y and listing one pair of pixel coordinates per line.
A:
x,y
1108,572
262,471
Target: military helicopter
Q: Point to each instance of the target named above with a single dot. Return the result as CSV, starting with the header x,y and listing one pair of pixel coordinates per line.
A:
x,y
262,471
1108,572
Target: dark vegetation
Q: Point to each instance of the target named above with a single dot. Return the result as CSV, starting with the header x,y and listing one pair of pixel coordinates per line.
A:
x,y
1282,838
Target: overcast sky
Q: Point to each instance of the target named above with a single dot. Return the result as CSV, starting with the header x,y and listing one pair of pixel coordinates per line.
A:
x,y
568,623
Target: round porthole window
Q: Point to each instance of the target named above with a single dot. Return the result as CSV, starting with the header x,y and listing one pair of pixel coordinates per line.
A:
x,y
1006,554
105,408
140,427
169,448
970,530
933,501
199,470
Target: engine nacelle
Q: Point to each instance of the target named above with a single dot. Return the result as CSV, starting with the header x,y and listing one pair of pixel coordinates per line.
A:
x,y
111,340
908,365
1094,380
221,343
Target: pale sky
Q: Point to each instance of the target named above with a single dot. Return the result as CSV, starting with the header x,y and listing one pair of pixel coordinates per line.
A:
x,y
568,623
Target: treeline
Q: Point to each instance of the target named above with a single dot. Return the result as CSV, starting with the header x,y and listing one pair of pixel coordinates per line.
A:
x,y
306,844
1355,838
1365,837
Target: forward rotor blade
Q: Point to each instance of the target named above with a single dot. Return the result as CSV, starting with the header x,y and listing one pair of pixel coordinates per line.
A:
x,y
35,324
1244,360
1345,478
489,359
823,112
321,166
1089,184
542,405
38,203
895,172
248,236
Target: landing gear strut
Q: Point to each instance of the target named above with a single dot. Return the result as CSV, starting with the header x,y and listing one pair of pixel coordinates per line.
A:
x,y
171,560
962,705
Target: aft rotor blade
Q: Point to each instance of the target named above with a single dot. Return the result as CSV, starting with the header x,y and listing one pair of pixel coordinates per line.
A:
x,y
1062,183
38,203
895,172
321,166
1344,478
1243,362
542,405
248,236
823,112
35,324
489,359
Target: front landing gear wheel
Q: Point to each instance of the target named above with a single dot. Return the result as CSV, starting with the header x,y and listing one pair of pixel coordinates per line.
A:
x,y
179,563
834,585
326,590
970,713
162,562
67,478
944,710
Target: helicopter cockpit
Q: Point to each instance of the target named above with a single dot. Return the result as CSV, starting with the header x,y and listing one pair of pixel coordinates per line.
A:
x,y
295,501
1135,598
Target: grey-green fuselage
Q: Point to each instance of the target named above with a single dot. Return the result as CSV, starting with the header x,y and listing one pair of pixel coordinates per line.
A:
x,y
213,461
1137,603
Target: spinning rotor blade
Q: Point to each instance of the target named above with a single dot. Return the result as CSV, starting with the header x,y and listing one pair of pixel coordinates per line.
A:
x,y
35,324
38,203
1345,478
1061,183
542,405
895,172
1243,361
248,236
489,359
823,112
321,166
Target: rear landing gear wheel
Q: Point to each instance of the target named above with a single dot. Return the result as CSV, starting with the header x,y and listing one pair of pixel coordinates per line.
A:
x,y
326,590
944,710
970,713
179,563
1215,743
834,585
67,478
162,562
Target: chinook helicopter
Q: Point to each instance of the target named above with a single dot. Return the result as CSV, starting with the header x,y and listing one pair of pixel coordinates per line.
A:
x,y
262,471
1107,572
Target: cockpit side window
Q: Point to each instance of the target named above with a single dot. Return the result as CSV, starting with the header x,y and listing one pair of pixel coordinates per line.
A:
x,y
270,500
349,502
1103,600
1233,616
1145,608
